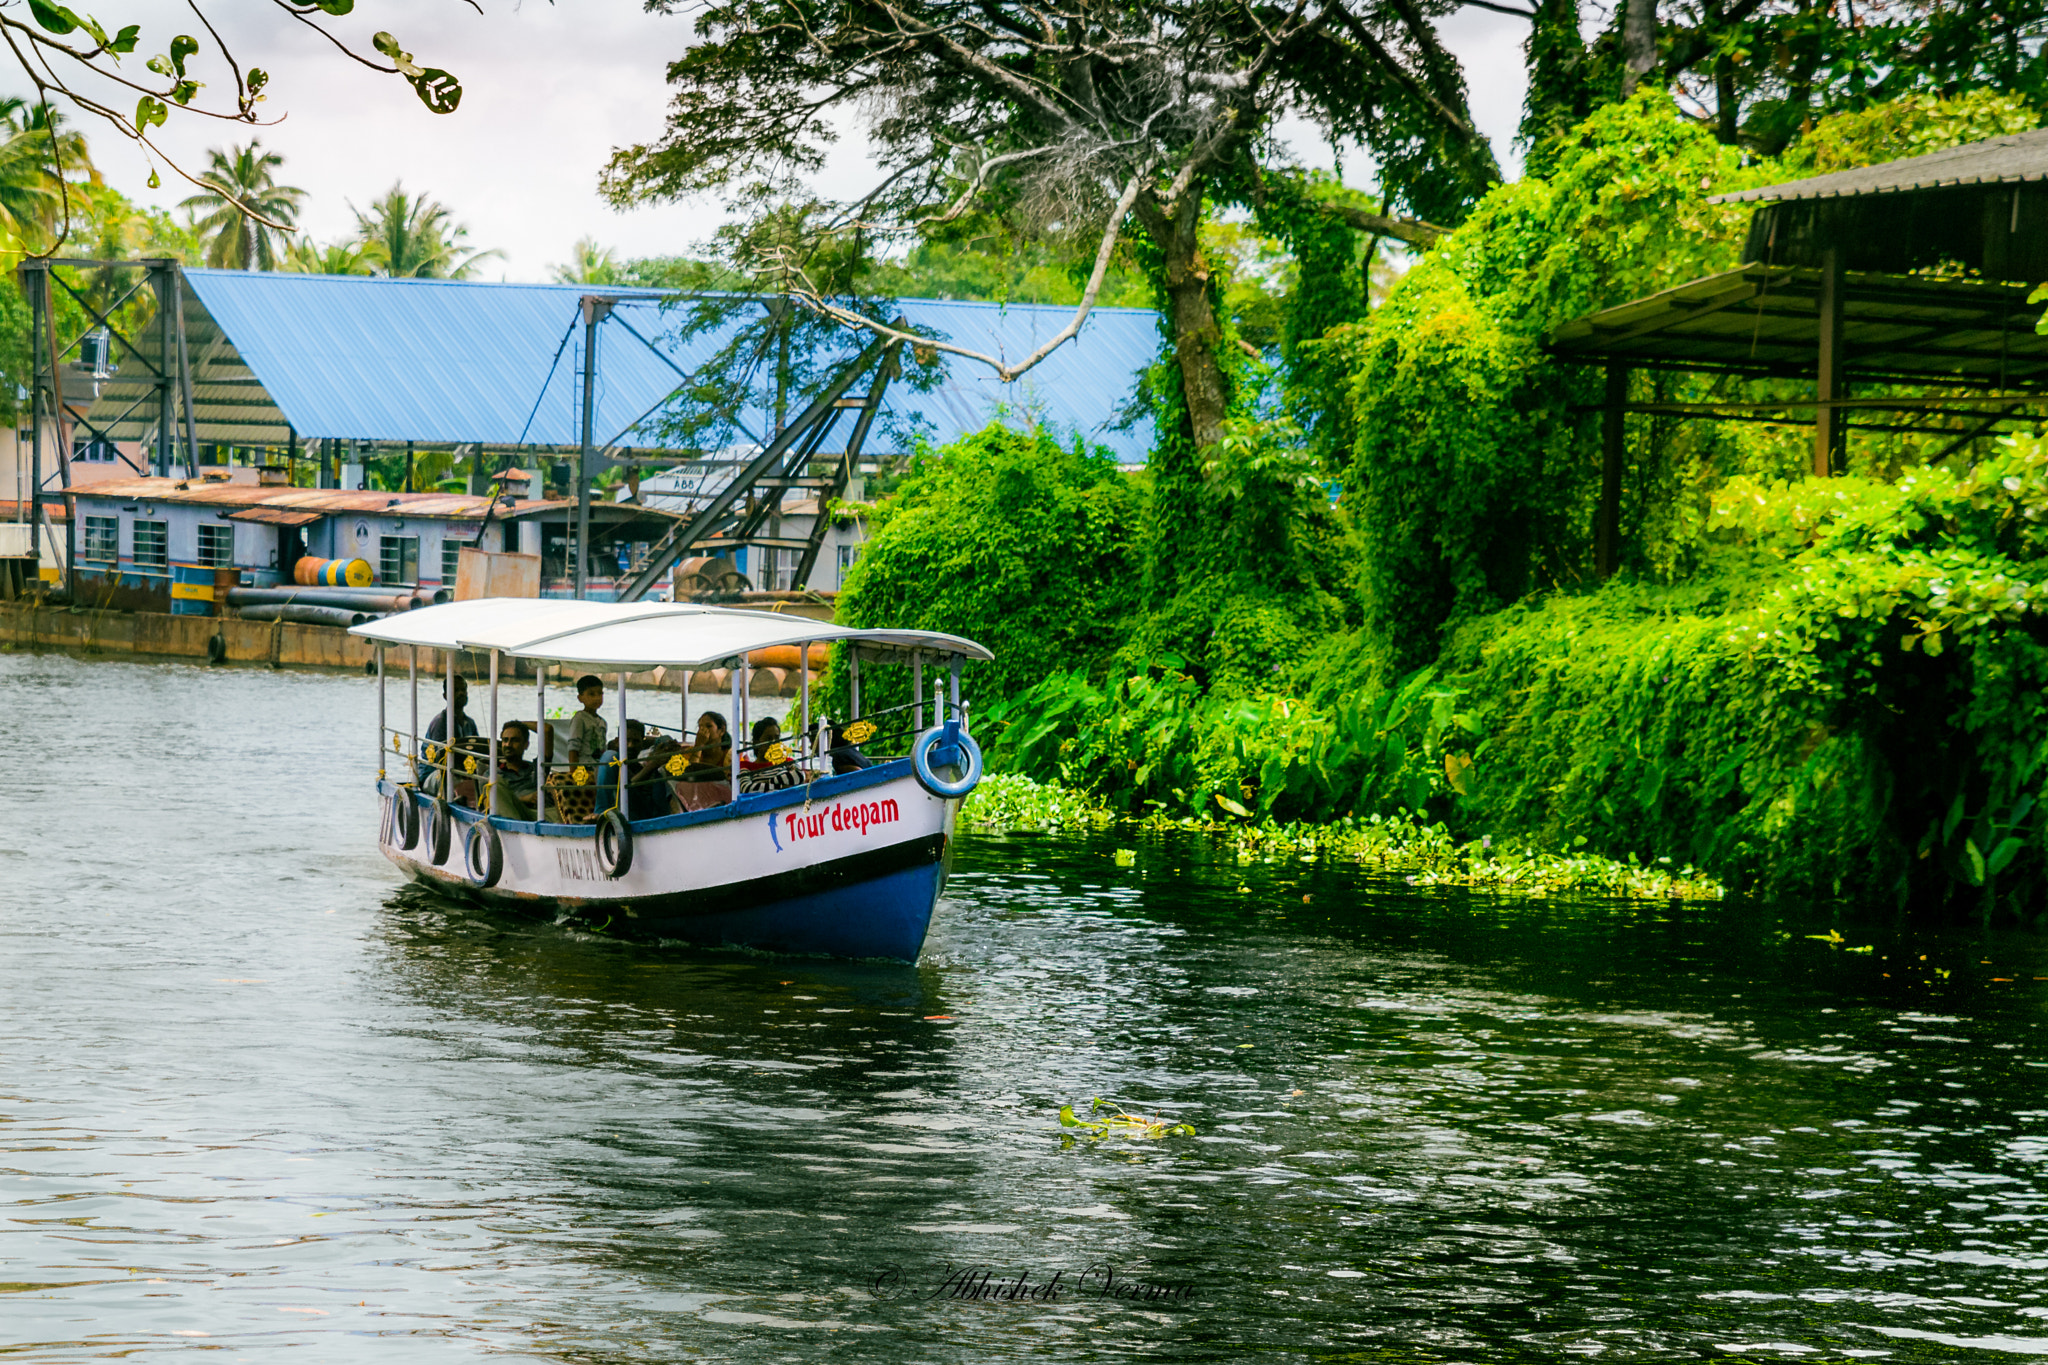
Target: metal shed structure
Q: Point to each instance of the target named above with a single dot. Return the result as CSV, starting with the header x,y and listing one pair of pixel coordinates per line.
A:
x,y
265,361
280,357
1911,279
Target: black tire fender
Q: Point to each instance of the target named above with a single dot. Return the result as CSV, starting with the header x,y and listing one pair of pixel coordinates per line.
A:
x,y
483,854
405,819
440,830
614,839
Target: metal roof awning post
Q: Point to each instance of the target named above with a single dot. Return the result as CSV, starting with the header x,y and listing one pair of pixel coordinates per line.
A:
x,y
166,405
32,274
1613,453
595,309
185,373
1830,425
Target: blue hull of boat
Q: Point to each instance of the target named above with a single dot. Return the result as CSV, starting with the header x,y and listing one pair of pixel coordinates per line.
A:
x,y
885,917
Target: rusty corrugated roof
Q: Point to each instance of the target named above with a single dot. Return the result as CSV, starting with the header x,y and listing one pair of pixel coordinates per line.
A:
x,y
275,516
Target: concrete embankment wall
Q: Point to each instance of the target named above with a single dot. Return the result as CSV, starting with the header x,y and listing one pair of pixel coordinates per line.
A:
x,y
285,644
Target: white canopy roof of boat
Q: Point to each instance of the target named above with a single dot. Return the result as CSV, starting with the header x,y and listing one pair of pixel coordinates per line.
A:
x,y
630,636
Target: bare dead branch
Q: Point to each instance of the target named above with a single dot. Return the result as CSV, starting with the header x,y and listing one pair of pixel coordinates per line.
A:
x,y
1006,371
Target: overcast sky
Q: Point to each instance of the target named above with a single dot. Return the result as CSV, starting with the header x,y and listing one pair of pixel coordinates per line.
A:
x,y
548,92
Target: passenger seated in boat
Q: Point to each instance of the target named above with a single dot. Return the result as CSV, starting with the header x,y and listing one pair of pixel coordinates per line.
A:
x,y
645,798
709,758
437,729
846,755
764,772
513,796
648,793
586,727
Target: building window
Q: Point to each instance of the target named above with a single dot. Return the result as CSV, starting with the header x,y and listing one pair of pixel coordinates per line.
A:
x,y
152,546
398,560
451,559
98,452
849,555
102,543
216,545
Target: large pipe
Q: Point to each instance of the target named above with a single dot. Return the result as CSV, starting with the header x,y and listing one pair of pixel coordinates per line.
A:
x,y
322,597
307,616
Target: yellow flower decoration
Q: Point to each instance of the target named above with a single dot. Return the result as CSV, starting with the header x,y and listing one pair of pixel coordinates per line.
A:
x,y
433,754
581,777
778,753
860,732
469,766
676,765
396,746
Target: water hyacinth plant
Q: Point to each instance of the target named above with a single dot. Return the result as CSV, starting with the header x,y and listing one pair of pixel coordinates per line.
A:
x,y
1119,1123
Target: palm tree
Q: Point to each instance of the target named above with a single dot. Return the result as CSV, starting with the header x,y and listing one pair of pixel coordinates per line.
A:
x,y
31,199
241,195
307,257
412,237
589,263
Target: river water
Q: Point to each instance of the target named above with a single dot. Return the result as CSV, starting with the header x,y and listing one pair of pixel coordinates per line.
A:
x,y
255,1097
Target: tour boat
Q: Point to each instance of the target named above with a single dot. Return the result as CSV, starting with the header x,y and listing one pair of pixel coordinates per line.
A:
x,y
843,865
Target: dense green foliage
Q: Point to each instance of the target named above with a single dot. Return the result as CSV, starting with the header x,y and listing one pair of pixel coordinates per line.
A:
x,y
1849,698
1015,540
1158,741
1812,688
1471,484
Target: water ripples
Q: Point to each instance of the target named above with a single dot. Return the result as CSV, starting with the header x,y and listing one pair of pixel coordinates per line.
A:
x,y
255,1097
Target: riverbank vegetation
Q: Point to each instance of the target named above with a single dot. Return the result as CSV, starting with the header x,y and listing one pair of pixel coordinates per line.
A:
x,y
1366,620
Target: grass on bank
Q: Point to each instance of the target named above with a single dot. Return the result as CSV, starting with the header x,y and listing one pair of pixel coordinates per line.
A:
x,y
1425,853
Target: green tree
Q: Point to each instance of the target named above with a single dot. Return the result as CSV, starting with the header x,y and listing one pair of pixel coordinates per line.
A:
x,y
244,215
307,257
409,236
1089,119
1010,538
589,263
1761,73
30,197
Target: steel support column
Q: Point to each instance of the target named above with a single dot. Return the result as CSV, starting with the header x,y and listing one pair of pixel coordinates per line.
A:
x,y
1830,424
596,308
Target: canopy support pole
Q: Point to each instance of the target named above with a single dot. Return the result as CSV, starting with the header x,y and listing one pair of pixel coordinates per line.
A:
x,y
733,740
916,692
381,727
449,733
542,740
413,739
685,734
491,792
956,684
803,663
853,674
625,752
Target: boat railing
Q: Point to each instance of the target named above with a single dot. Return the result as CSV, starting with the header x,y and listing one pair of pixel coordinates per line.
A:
x,y
881,735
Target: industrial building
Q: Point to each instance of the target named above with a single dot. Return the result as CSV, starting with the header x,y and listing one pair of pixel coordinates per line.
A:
x,y
256,379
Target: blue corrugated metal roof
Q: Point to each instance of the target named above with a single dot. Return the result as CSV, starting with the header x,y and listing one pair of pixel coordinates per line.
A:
x,y
440,361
